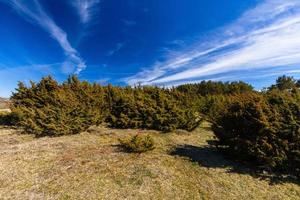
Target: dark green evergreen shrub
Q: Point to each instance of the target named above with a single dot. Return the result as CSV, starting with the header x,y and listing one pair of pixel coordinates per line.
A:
x,y
262,128
215,88
8,119
285,83
149,108
211,106
3,118
138,144
49,108
208,97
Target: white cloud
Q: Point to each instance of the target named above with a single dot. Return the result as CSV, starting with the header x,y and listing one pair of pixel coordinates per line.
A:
x,y
265,36
252,76
118,47
33,12
86,9
129,23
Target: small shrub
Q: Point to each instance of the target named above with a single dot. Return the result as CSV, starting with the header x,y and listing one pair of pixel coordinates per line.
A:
x,y
138,144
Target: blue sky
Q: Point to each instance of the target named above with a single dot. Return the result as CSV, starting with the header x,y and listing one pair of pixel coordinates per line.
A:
x,y
151,42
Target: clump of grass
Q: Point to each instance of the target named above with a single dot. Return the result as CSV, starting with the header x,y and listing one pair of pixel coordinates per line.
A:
x,y
138,144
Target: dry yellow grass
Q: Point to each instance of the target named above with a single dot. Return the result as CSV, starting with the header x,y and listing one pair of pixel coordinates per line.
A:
x,y
91,166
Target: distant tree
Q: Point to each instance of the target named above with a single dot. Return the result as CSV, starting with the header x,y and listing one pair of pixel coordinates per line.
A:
x,y
298,84
205,88
285,83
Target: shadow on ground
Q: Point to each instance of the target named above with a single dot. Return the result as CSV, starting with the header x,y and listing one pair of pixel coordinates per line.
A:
x,y
210,157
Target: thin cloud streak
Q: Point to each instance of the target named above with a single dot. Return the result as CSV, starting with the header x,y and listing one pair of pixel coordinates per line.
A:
x,y
86,9
254,76
263,37
118,47
128,23
32,11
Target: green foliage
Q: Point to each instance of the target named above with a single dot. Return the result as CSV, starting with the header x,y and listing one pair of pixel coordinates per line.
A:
x,y
3,118
212,104
149,108
49,108
53,109
262,128
8,119
138,143
208,97
215,88
285,83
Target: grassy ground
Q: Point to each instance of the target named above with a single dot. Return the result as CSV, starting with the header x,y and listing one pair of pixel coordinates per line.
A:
x,y
91,166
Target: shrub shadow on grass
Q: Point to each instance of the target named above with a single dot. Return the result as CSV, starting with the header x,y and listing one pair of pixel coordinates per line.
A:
x,y
211,157
118,148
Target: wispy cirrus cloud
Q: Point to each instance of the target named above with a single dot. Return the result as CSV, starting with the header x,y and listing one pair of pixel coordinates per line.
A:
x,y
32,11
263,37
128,23
117,48
87,9
255,77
